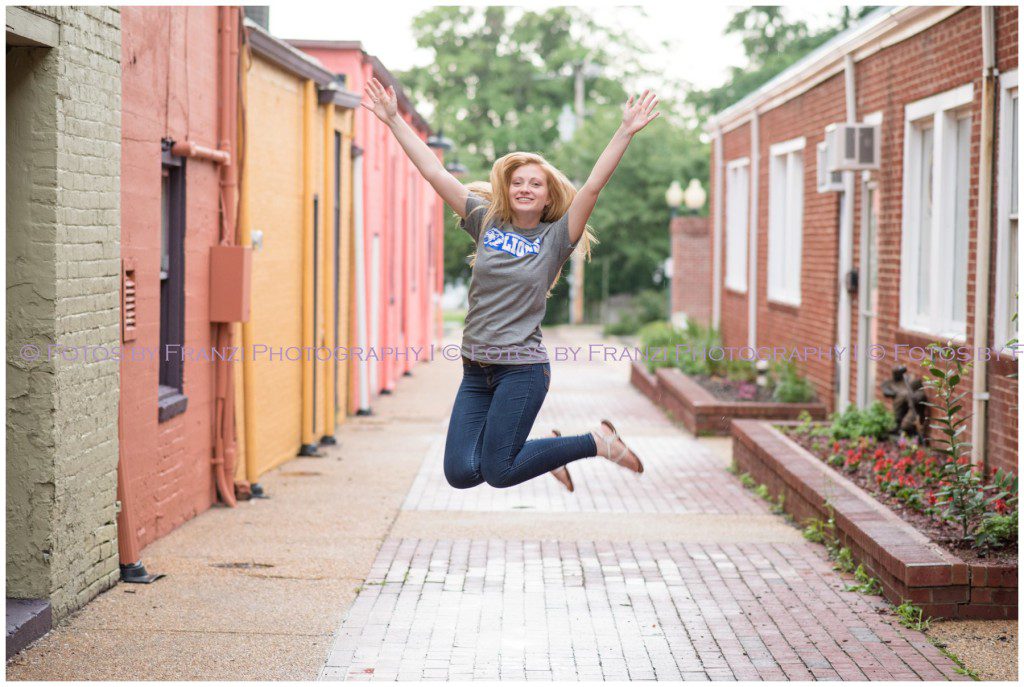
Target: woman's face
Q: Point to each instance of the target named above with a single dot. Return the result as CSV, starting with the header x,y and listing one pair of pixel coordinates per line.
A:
x,y
528,189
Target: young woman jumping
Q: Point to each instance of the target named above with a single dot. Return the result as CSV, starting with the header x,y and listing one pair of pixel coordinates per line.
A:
x,y
526,223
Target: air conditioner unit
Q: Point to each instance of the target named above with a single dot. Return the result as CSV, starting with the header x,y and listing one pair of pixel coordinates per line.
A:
x,y
827,181
852,146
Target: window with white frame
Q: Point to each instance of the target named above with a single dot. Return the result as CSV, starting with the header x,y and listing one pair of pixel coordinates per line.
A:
x,y
785,220
737,210
936,214
1007,276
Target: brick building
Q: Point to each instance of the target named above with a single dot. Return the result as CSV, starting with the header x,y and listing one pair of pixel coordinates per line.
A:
x,y
921,249
63,235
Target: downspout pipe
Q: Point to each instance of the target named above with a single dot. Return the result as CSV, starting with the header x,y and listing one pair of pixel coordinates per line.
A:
x,y
843,307
245,239
716,239
755,194
362,336
327,270
223,459
309,100
983,271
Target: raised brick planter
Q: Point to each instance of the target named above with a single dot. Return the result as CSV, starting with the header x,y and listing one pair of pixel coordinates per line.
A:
x,y
645,381
905,561
699,411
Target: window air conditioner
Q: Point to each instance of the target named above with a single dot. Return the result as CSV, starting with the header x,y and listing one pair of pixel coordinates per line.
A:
x,y
852,146
827,181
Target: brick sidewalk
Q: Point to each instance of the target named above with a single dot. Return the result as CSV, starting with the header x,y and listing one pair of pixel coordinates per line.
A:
x,y
721,608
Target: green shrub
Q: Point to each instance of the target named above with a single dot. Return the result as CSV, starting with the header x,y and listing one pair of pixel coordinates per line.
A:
x,y
658,335
627,324
789,385
650,305
876,422
996,530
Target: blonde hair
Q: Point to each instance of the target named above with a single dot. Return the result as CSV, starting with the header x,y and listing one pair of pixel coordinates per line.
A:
x,y
560,194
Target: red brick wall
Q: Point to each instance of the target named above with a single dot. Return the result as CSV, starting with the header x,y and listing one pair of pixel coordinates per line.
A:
x,y
691,268
167,465
940,58
733,325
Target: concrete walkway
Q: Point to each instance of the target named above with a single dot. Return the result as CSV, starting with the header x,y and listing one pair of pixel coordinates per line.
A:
x,y
367,565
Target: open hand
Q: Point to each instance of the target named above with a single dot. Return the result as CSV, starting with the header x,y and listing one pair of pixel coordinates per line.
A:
x,y
384,103
637,115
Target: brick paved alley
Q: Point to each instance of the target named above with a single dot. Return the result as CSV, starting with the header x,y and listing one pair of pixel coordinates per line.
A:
x,y
678,573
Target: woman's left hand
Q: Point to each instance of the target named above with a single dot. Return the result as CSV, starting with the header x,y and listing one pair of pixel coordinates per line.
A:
x,y
637,115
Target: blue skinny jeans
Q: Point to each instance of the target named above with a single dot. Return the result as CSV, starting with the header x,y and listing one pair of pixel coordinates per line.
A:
x,y
493,414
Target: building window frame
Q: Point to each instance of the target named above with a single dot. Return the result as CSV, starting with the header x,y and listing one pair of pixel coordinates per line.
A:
x,y
785,220
1007,239
737,223
171,398
927,304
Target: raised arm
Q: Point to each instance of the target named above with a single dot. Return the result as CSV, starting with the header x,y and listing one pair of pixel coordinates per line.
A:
x,y
634,118
384,104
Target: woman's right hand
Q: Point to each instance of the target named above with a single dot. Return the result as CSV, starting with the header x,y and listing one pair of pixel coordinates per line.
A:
x,y
384,103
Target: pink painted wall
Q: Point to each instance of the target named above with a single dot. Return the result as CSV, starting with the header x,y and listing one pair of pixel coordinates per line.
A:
x,y
166,94
406,214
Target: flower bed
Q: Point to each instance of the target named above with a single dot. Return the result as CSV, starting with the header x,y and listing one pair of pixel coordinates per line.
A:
x,y
701,412
918,484
945,581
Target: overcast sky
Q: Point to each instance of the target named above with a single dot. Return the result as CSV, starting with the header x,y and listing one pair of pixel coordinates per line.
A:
x,y
696,50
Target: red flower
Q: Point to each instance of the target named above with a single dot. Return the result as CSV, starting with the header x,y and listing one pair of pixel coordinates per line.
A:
x,y
1001,506
835,447
931,498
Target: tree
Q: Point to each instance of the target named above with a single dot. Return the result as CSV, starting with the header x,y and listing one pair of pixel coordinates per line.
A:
x,y
631,218
771,43
499,79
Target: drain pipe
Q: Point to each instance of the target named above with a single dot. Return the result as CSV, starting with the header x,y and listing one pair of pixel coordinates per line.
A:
x,y
224,426
983,275
360,241
245,239
716,241
755,185
846,249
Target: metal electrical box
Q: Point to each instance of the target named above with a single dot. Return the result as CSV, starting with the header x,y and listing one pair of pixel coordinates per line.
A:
x,y
230,283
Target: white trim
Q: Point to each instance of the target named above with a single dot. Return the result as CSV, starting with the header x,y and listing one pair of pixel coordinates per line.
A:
x,y
716,249
927,107
939,113
737,222
785,220
789,146
1003,326
754,226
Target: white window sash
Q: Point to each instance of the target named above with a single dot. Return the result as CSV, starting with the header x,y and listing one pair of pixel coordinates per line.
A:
x,y
786,178
941,112
1005,329
736,228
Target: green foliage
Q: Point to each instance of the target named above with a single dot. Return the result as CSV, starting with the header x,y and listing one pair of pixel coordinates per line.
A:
x,y
865,583
762,491
912,617
631,217
789,385
650,305
996,530
771,43
876,421
747,481
844,559
964,498
658,336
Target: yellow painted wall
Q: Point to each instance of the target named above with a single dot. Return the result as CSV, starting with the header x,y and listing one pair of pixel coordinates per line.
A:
x,y
274,156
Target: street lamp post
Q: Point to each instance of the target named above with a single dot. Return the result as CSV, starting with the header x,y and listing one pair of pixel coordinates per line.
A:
x,y
674,197
695,196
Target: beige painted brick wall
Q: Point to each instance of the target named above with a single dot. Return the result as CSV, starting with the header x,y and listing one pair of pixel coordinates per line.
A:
x,y
63,285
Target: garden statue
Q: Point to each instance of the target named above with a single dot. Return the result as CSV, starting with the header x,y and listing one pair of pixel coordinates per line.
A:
x,y
908,403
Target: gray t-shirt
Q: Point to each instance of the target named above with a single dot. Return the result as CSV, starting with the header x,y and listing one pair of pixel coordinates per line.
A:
x,y
508,291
